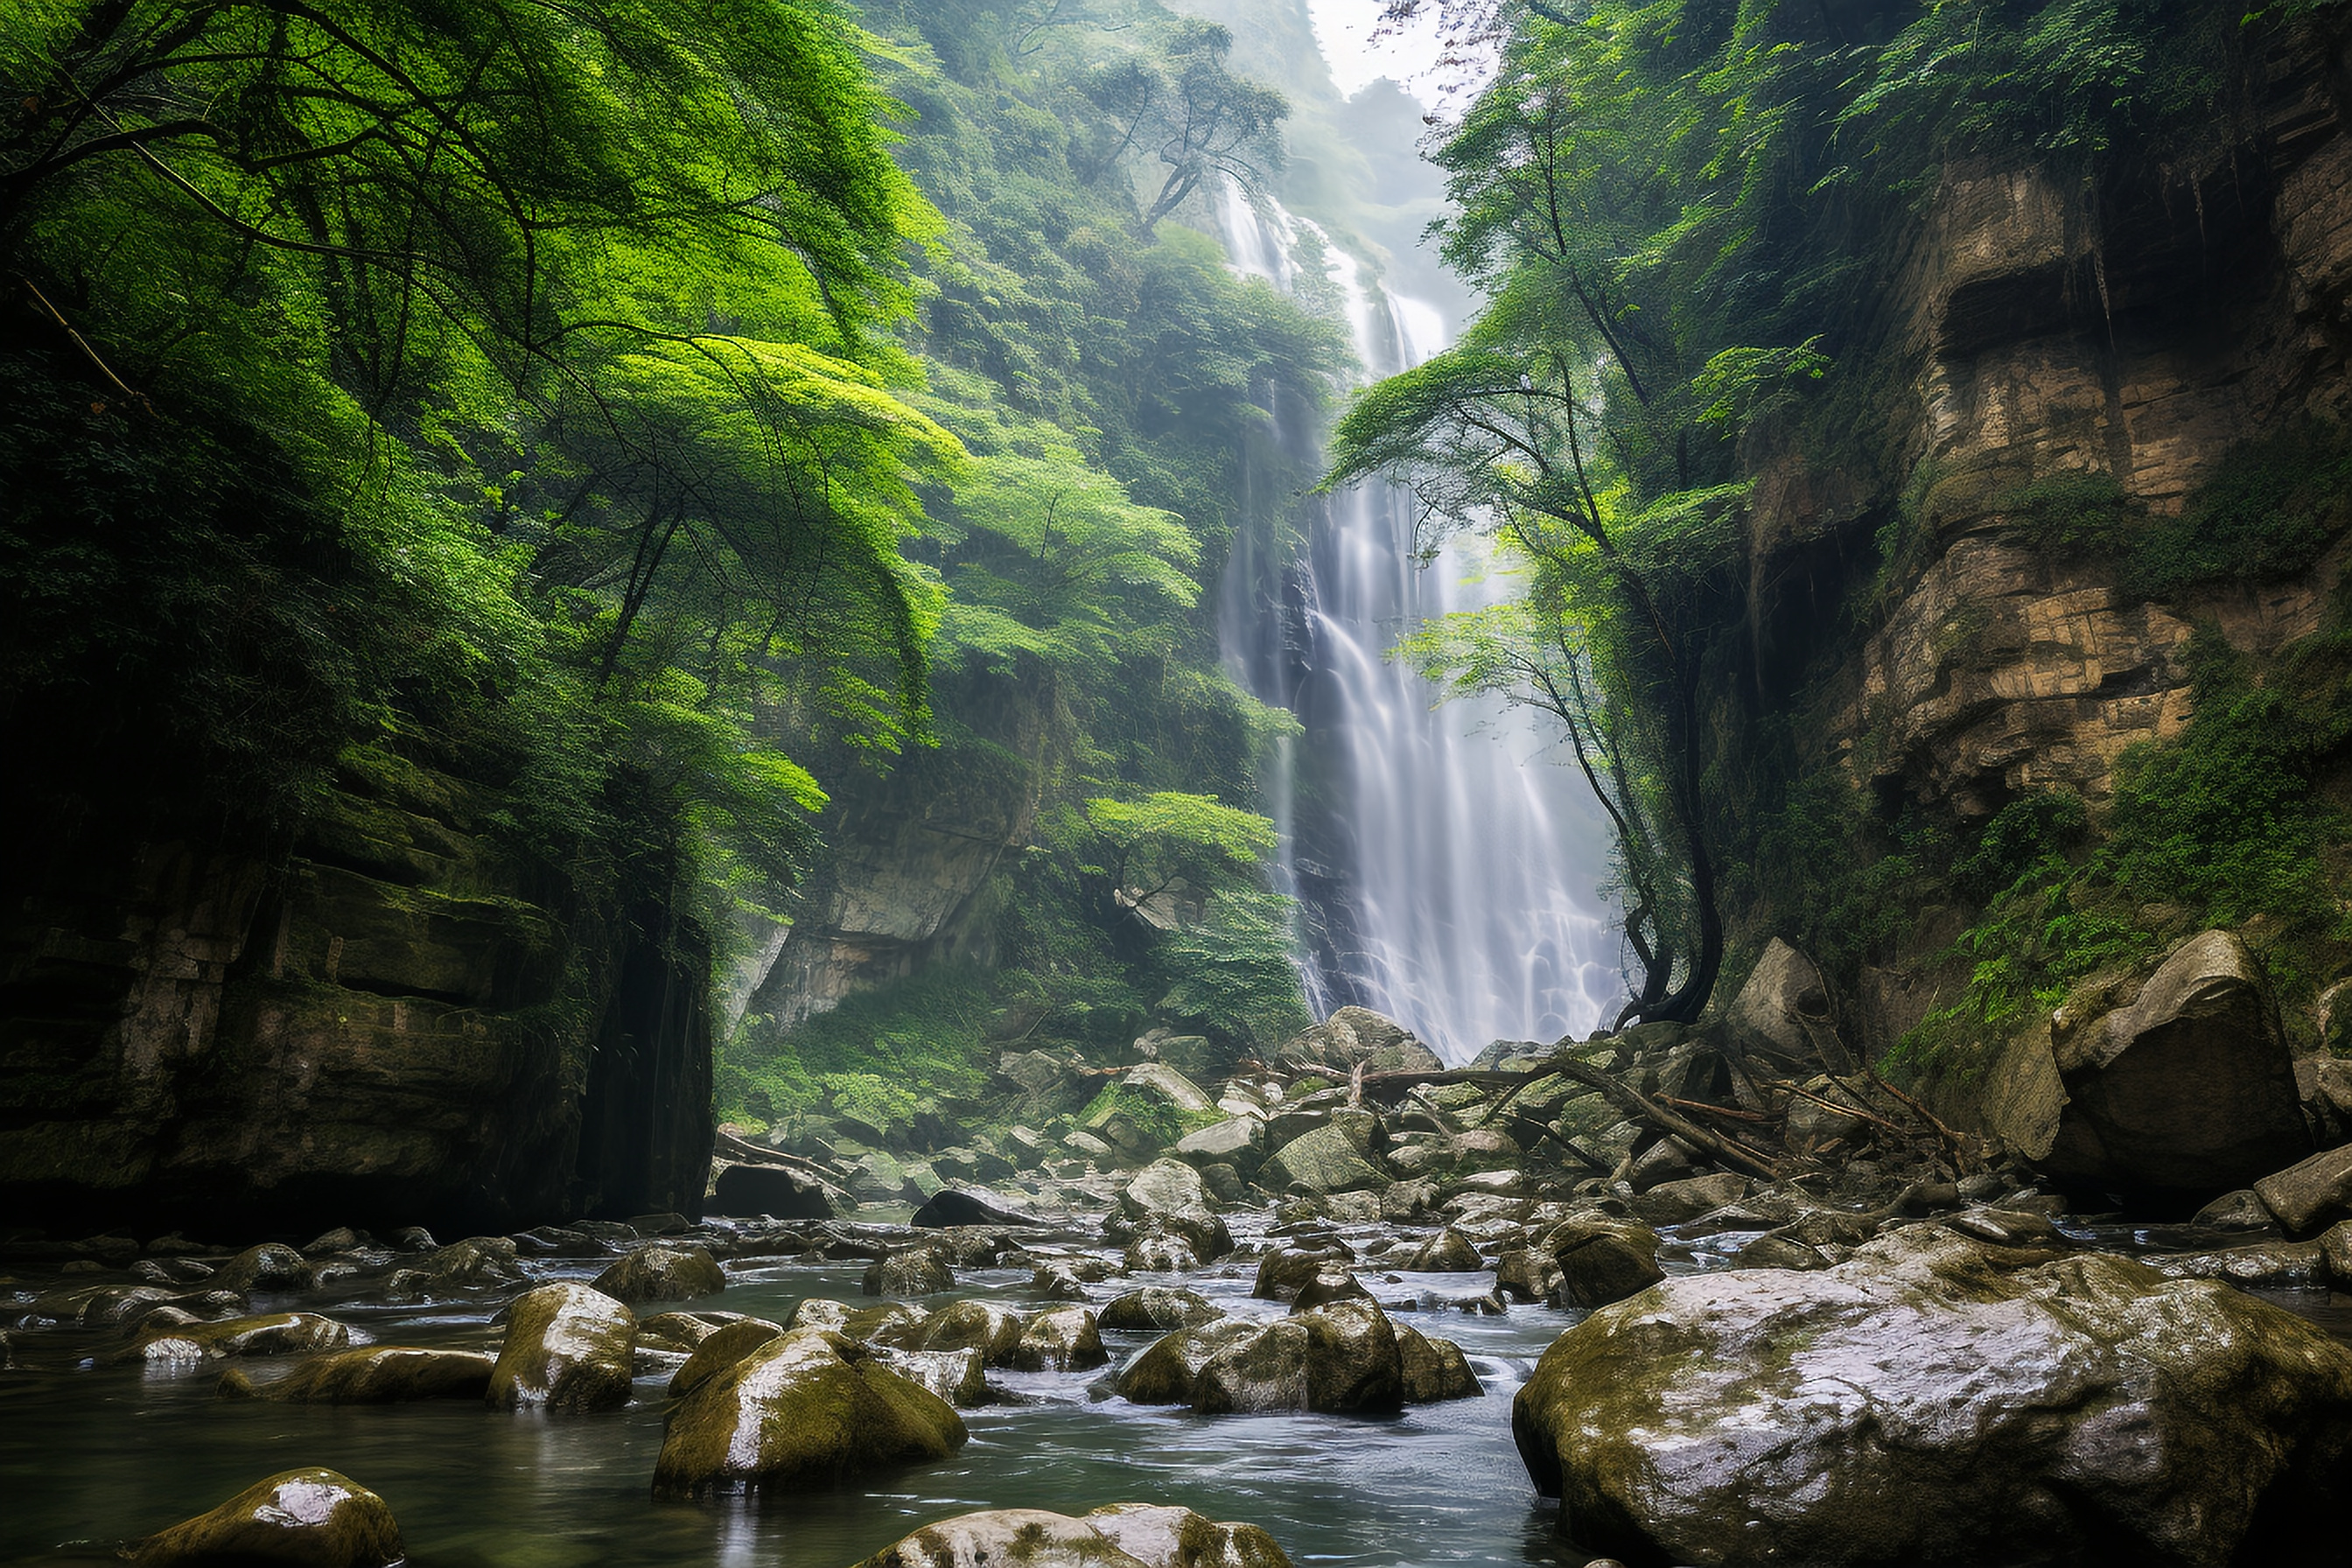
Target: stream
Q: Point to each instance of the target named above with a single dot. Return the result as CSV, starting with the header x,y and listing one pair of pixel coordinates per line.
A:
x,y
92,1454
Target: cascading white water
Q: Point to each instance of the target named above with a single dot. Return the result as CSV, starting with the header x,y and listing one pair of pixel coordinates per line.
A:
x,y
1447,867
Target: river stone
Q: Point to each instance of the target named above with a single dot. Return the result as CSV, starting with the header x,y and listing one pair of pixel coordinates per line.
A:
x,y
1341,1359
1125,1535
273,1333
898,1323
1164,1371
809,1409
720,1350
1357,1036
1527,1274
1286,1271
1238,1142
372,1375
1157,1080
1161,1251
1674,1203
2188,1089
1060,1339
916,1271
819,1312
2266,1266
568,1347
1331,1283
1916,1404
1324,1160
305,1518
1774,1250
663,1273
2240,1210
953,1375
983,1326
476,1261
1433,1370
2315,1192
768,1190
953,1207
2337,1248
1602,1262
1447,1252
272,1266
1157,1308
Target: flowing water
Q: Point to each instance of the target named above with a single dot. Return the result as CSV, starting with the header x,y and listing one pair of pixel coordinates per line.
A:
x,y
1446,863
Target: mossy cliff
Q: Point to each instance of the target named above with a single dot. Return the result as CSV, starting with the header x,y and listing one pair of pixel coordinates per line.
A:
x,y
380,1021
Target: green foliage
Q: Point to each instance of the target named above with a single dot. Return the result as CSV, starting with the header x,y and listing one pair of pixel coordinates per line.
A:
x,y
2073,515
2270,511
879,1056
1230,973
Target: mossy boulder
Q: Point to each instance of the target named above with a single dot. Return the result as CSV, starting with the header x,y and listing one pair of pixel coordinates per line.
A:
x,y
1927,1402
568,1347
663,1273
983,1326
720,1350
915,1271
1158,1310
1060,1339
1434,1370
1323,1160
808,1409
373,1374
302,1518
1600,1261
271,1334
1125,1535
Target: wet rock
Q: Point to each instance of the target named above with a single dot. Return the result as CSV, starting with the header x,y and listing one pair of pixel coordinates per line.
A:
x,y
2313,1192
1060,1339
2337,1248
1527,1274
1161,1252
819,1312
272,1266
1322,1161
682,1331
743,1189
808,1409
1410,1202
983,1326
1674,1203
342,1239
1602,1262
1484,1149
1918,1403
1156,1308
720,1350
2240,1210
1433,1370
2271,1266
917,1272
1447,1252
1783,1011
1775,1251
373,1374
1667,1160
302,1518
662,1272
568,1347
1170,1194
1341,1359
476,1261
897,1324
1127,1535
2006,1228
1164,1371
953,1375
1238,1142
274,1333
1353,1037
2189,1088
952,1207
1331,1283
1286,1271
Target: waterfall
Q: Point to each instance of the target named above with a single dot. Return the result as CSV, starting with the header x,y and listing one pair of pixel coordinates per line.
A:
x,y
1445,866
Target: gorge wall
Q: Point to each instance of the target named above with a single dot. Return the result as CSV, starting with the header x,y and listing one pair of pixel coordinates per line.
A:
x,y
380,1024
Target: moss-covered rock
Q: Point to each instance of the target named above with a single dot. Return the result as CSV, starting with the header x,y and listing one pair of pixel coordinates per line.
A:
x,y
568,1347
983,1326
1157,1308
1125,1535
303,1519
373,1374
809,1409
663,1273
272,1333
721,1349
1060,1339
1926,1403
1434,1370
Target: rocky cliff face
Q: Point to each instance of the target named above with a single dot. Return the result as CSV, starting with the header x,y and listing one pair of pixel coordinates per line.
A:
x,y
376,1027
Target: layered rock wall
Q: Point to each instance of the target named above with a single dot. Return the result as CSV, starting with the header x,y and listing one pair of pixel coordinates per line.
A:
x,y
376,1025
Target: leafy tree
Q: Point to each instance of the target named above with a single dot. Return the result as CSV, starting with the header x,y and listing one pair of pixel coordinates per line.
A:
x,y
1190,113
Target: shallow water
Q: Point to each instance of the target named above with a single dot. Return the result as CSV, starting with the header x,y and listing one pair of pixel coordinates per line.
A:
x,y
92,1454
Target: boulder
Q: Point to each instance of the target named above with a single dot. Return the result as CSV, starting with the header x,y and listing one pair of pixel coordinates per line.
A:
x,y
1324,1160
663,1273
1784,1010
373,1374
1161,1251
1672,1203
1170,1196
568,1347
1158,1310
1160,1081
1527,1274
1600,1262
1286,1271
2315,1192
807,1409
273,1333
302,1518
720,1350
2189,1088
1339,1358
1163,1373
1060,1339
953,1375
952,1206
1434,1370
2240,1210
1920,1404
983,1326
1447,1252
1125,1535
272,1266
1238,1142
916,1271
1353,1037
768,1190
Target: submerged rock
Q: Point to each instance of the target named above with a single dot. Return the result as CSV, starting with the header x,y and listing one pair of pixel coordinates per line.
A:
x,y
809,1409
374,1374
273,1333
1919,1404
305,1518
568,1347
1125,1535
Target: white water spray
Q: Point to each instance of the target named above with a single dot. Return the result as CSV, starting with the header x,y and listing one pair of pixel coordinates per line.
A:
x,y
1447,867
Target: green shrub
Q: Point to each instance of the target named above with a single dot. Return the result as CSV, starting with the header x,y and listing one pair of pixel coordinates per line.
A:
x,y
2271,510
